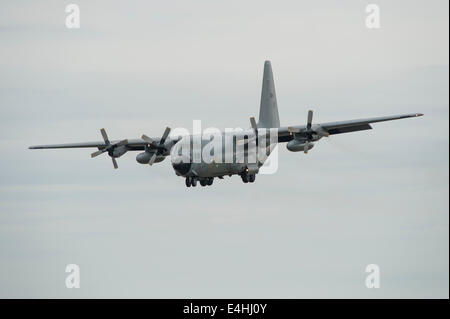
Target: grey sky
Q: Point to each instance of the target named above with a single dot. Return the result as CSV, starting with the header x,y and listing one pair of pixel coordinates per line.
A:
x,y
134,67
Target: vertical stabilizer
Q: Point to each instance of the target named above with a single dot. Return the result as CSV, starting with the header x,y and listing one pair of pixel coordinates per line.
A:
x,y
268,110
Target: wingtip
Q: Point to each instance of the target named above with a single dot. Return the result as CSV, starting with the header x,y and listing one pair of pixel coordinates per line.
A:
x,y
419,114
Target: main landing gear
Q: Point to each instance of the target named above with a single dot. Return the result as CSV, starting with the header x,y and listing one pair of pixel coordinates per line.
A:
x,y
246,178
192,181
208,181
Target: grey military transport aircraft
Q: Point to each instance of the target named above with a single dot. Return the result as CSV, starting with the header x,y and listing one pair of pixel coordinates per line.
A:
x,y
298,138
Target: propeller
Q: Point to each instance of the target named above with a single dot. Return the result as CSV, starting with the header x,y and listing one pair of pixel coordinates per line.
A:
x,y
308,132
159,146
252,138
109,147
255,128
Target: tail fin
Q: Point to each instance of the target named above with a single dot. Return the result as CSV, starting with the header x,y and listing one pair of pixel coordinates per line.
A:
x,y
268,110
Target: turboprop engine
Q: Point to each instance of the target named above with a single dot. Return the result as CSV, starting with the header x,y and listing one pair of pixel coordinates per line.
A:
x,y
304,136
118,151
299,146
144,158
114,150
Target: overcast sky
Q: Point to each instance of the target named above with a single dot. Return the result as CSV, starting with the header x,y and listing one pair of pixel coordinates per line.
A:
x,y
308,231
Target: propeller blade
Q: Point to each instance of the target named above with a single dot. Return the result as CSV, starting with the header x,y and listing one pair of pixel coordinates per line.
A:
x,y
253,122
164,136
98,152
115,163
152,159
244,141
310,117
306,148
105,136
147,139
255,128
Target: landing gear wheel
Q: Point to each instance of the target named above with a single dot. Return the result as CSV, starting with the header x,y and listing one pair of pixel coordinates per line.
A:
x,y
203,182
245,178
210,181
188,182
193,181
251,178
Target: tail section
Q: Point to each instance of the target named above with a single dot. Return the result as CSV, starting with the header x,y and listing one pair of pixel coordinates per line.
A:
x,y
268,110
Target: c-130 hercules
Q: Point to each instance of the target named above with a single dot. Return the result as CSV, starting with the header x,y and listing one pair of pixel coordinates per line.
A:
x,y
298,138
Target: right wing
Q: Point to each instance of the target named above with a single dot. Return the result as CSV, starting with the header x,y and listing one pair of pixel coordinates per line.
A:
x,y
132,145
115,149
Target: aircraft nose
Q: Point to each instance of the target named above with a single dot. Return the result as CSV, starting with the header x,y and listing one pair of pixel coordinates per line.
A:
x,y
182,168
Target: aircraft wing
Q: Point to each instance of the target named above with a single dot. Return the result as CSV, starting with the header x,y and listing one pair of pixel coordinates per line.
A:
x,y
284,133
115,149
132,145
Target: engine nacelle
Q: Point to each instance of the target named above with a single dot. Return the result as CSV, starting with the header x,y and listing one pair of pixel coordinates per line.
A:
x,y
144,158
298,146
119,151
